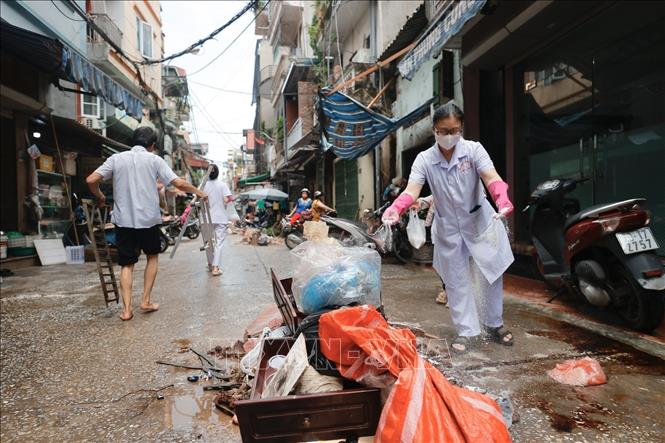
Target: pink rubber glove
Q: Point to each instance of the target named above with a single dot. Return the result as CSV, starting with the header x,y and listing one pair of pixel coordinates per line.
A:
x,y
395,211
499,192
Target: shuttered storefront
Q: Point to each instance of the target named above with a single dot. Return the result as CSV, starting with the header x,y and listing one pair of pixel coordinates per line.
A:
x,y
346,188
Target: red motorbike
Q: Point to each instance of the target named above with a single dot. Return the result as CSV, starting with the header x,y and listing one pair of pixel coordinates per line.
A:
x,y
605,253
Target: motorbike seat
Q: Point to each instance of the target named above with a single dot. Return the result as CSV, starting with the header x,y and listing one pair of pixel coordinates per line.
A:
x,y
599,209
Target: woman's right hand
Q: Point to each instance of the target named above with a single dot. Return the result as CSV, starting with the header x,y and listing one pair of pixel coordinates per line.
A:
x,y
390,216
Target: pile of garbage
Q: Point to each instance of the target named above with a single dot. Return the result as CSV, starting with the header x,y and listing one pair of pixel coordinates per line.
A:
x,y
336,338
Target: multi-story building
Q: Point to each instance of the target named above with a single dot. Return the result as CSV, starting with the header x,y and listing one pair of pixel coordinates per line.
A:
x,y
200,149
284,94
135,28
55,98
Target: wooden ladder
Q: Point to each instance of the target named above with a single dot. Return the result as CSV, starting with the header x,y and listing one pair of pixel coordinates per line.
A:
x,y
96,221
207,232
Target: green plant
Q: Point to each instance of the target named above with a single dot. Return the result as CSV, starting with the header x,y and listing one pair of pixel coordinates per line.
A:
x,y
280,128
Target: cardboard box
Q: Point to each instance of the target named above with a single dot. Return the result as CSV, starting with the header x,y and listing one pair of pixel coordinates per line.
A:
x,y
46,163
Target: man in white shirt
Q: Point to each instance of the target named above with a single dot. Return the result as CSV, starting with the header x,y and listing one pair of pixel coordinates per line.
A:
x,y
219,195
136,212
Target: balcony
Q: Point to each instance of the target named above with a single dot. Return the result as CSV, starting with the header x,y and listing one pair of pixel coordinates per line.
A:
x,y
285,21
262,24
294,135
98,48
265,77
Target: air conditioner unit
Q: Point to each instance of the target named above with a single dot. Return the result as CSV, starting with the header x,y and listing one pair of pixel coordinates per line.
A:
x,y
91,123
364,56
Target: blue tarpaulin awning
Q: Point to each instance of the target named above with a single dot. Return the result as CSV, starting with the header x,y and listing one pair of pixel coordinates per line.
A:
x,y
351,130
61,62
434,38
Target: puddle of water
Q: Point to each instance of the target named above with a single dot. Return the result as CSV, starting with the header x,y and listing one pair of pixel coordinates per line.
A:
x,y
185,411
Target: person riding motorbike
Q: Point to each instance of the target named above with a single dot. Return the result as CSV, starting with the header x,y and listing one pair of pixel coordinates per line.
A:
x,y
302,208
318,207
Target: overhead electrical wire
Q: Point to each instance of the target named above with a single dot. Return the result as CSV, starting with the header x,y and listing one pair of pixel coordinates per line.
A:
x,y
200,42
65,15
232,42
212,121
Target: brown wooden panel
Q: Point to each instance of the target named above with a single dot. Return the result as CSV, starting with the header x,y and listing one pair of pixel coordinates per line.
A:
x,y
349,413
353,412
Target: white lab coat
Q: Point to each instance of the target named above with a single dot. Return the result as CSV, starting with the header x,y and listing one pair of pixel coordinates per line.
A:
x,y
471,248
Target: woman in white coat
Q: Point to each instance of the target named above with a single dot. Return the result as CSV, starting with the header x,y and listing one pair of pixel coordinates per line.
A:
x,y
219,195
471,249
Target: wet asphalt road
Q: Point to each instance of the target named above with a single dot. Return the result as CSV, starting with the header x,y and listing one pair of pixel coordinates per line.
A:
x,y
72,371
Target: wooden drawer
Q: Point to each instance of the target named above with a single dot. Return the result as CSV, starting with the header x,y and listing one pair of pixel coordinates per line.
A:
x,y
353,412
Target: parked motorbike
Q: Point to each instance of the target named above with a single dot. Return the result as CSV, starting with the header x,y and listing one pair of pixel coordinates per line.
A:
x,y
192,231
362,233
401,247
605,253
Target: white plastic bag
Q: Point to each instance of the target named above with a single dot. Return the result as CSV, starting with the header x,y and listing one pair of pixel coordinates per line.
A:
x,y
383,237
251,360
416,230
231,213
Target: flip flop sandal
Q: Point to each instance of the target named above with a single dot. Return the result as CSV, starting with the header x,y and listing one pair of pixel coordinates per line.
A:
x,y
499,335
149,310
467,342
127,319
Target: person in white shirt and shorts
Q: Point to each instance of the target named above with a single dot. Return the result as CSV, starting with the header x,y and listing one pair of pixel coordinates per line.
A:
x,y
136,210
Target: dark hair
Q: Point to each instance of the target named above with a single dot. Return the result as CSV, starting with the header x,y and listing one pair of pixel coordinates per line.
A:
x,y
144,136
448,110
214,173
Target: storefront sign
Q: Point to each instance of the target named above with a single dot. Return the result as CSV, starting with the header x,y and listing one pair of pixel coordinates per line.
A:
x,y
449,25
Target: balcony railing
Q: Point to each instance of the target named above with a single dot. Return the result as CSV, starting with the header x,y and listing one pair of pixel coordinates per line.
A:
x,y
105,24
294,135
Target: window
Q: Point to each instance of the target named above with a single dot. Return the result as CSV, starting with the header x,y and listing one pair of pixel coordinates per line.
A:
x,y
144,38
90,106
442,79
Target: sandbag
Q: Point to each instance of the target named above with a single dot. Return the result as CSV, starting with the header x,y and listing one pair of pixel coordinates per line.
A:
x,y
583,372
423,407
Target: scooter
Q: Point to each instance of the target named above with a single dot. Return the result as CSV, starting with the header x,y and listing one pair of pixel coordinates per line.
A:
x,y
604,253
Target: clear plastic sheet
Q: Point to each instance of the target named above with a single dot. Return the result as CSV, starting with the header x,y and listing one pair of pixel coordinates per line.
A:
x,y
329,274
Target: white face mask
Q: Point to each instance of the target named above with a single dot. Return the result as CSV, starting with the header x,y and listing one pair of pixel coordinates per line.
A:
x,y
447,142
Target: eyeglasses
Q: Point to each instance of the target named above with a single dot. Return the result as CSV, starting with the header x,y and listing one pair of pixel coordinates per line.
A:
x,y
446,131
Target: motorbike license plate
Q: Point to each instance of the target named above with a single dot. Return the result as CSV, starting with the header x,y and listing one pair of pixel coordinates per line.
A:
x,y
637,241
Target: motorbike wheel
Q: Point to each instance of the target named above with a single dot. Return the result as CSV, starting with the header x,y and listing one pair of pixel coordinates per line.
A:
x,y
163,243
401,247
193,232
292,240
642,309
277,229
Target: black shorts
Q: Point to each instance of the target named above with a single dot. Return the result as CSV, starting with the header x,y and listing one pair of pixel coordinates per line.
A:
x,y
131,241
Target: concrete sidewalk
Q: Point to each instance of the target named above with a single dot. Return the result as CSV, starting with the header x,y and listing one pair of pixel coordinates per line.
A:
x,y
72,371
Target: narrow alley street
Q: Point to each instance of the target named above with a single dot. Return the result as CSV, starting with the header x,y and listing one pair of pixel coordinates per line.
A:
x,y
73,371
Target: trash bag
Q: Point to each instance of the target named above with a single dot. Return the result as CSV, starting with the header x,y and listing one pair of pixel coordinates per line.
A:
x,y
383,237
309,327
416,230
231,213
583,372
423,405
329,274
264,240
